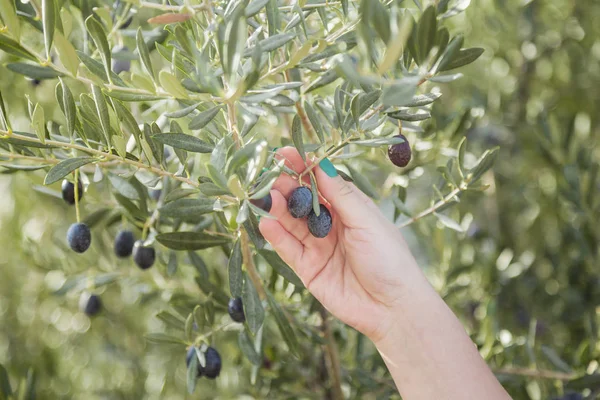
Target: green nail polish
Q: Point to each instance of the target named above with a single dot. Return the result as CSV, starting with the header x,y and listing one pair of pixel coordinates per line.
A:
x,y
275,149
328,167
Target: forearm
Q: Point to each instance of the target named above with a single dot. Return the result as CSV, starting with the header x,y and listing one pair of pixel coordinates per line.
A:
x,y
429,354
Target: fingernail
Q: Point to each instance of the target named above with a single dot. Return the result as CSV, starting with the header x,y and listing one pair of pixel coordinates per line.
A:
x,y
275,149
328,168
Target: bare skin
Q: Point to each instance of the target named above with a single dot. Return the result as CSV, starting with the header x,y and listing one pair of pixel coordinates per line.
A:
x,y
364,273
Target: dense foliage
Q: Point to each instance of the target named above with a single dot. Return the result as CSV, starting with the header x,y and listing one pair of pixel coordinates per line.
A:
x,y
166,115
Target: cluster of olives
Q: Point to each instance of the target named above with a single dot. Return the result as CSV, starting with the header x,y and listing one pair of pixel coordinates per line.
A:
x,y
300,205
79,238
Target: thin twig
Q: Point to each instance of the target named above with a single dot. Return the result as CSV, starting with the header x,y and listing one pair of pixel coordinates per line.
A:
x,y
250,267
103,154
536,373
432,209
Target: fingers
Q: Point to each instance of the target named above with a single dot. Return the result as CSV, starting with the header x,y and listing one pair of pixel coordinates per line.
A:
x,y
352,206
284,243
292,158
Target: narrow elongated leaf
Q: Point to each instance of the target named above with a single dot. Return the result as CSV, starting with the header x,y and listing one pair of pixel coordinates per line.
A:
x,y
171,84
462,58
124,187
297,136
26,143
235,41
48,21
142,49
163,338
254,7
363,183
406,116
202,119
190,240
13,47
314,121
253,308
315,196
68,107
128,96
179,193
451,51
400,93
423,99
4,115
426,33
96,68
192,374
127,118
65,167
99,36
183,111
281,267
234,268
385,141
187,208
183,141
102,110
38,121
284,325
9,16
247,347
34,71
449,222
66,53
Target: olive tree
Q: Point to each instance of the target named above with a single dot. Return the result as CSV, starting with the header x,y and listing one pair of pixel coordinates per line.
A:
x,y
162,129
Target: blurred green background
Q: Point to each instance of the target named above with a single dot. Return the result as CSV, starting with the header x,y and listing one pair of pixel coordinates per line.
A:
x,y
524,276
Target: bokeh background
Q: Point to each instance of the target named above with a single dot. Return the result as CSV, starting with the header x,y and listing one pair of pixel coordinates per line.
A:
x,y
523,275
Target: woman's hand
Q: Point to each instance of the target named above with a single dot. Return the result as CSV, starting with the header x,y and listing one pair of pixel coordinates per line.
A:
x,y
362,269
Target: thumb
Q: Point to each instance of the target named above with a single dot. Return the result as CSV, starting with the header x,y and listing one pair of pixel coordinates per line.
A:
x,y
352,206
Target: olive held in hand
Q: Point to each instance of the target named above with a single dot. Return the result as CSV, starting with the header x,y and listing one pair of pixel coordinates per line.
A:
x,y
124,242
213,364
400,153
143,256
300,202
90,304
68,191
188,359
79,237
235,308
263,203
320,226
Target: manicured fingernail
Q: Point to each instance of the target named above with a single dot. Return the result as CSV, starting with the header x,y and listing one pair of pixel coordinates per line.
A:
x,y
275,149
262,171
328,167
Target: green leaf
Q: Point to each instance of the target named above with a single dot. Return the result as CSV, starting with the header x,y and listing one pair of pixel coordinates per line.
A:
x,y
68,106
253,308
192,375
66,53
38,122
12,47
48,21
33,71
128,96
183,141
251,226
254,7
281,267
171,84
187,208
252,151
183,111
385,141
400,93
26,143
163,338
4,115
65,167
234,268
5,388
446,78
96,68
142,49
180,193
284,324
314,121
461,58
235,41
426,33
102,110
9,16
128,119
124,187
99,36
202,119
315,195
244,212
407,116
190,240
423,99
247,347
272,43
297,136
449,222
451,51
483,165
